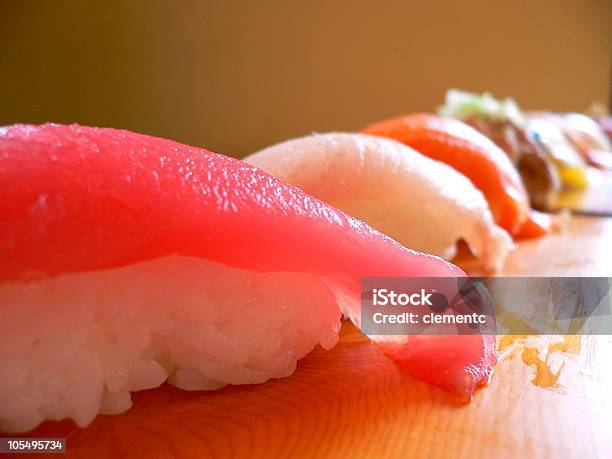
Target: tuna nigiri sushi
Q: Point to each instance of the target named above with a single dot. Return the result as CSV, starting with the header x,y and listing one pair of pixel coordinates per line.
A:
x,y
424,204
128,260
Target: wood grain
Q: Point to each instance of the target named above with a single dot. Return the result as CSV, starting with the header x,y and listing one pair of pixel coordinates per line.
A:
x,y
354,402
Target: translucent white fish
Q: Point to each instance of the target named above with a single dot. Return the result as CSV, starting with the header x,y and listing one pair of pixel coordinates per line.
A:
x,y
424,204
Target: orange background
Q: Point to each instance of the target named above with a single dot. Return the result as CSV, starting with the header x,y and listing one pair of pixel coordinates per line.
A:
x,y
236,76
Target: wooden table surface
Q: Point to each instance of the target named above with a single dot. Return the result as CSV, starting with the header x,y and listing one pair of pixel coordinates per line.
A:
x,y
352,401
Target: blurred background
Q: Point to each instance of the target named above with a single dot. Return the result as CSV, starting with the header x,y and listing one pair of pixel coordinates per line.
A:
x,y
235,76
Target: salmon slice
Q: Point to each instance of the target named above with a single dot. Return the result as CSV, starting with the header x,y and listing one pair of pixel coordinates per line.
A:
x,y
471,153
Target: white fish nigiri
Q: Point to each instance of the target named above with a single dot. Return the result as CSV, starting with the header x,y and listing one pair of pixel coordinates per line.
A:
x,y
424,204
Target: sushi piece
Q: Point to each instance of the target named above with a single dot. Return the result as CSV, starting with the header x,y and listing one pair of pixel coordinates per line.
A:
x,y
128,260
585,136
469,152
548,133
504,123
424,204
540,144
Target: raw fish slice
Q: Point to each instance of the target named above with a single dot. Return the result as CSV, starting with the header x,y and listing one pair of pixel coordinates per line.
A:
x,y
469,152
424,204
108,216
77,198
448,369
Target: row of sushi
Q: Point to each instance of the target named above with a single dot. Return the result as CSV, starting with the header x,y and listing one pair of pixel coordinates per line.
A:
x,y
553,152
128,260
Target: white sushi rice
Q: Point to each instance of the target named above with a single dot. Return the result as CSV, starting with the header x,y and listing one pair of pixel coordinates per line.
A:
x,y
76,345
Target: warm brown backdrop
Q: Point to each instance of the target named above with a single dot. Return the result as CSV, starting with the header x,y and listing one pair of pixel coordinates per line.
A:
x,y
236,76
